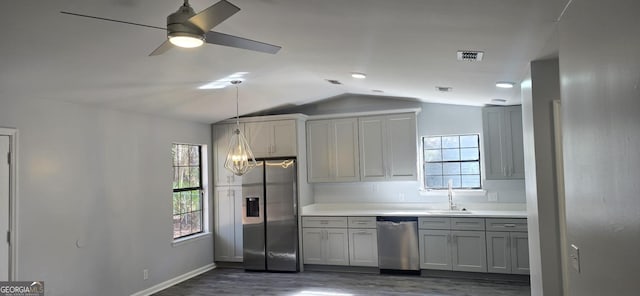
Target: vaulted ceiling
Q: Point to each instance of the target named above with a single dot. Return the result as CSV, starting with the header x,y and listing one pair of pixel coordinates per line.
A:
x,y
406,47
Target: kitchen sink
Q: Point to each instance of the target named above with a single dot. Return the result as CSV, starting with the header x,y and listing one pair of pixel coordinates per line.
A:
x,y
445,212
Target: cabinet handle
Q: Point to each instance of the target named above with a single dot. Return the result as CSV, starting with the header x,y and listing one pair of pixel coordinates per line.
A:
x,y
504,170
509,225
324,222
361,232
449,239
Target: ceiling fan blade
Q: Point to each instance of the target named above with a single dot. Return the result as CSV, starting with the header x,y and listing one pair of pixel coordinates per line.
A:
x,y
166,45
215,14
239,42
110,20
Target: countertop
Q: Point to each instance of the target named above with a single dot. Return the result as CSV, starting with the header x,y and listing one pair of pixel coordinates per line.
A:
x,y
418,210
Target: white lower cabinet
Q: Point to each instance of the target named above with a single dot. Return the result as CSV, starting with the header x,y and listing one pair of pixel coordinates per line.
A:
x,y
458,250
228,223
363,241
507,246
435,249
327,246
325,240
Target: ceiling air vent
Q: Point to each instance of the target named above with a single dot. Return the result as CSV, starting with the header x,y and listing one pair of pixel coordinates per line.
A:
x,y
333,81
470,55
444,88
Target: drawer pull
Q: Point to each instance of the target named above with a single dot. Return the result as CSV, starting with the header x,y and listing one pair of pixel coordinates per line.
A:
x,y
324,222
509,225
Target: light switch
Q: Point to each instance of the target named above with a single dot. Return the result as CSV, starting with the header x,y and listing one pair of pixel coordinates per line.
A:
x,y
574,257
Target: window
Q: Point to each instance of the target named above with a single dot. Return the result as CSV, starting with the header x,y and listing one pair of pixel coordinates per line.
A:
x,y
187,190
452,157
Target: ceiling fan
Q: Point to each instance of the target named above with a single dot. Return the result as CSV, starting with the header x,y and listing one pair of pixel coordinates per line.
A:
x,y
187,29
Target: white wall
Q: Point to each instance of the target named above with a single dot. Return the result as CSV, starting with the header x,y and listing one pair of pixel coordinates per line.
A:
x,y
600,83
539,91
435,119
94,198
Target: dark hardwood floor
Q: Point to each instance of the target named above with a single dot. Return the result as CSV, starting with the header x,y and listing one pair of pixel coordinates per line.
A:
x,y
227,281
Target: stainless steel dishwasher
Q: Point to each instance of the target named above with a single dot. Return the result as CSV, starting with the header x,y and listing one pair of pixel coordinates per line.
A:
x,y
398,245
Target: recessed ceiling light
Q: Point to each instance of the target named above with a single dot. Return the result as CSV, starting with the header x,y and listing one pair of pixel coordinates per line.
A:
x,y
358,75
498,101
224,81
444,88
504,84
377,90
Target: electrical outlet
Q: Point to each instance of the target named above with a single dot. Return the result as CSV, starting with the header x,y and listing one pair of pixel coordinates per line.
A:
x,y
492,196
145,274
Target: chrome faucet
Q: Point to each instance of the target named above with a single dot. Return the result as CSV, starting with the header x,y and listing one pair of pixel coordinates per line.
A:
x,y
452,206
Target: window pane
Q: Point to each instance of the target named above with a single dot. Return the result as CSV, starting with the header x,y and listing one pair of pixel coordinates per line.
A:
x,y
185,224
469,141
470,167
196,223
450,142
194,155
195,200
469,154
450,154
451,168
185,202
432,155
174,154
454,178
432,143
194,177
434,168
176,203
471,181
176,226
434,181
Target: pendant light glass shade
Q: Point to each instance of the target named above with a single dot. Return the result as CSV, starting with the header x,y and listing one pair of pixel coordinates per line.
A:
x,y
240,159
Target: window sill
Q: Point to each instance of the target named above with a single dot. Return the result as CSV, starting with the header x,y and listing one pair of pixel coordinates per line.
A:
x,y
458,192
192,238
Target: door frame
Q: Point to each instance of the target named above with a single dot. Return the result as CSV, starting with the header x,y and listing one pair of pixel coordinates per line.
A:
x,y
13,200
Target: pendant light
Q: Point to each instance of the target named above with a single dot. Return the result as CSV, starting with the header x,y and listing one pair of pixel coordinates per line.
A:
x,y
240,159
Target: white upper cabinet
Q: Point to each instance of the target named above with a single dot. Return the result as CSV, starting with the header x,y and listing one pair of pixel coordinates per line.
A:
x,y
332,150
221,138
388,148
272,138
503,149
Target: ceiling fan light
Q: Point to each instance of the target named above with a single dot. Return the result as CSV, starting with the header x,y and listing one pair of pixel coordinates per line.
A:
x,y
186,41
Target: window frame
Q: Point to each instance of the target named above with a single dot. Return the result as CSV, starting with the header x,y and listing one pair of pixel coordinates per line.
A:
x,y
424,163
201,193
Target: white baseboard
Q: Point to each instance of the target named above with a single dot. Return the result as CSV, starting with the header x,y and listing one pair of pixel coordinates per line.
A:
x,y
176,280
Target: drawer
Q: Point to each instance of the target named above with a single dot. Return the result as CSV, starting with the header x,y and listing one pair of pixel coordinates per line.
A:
x,y
467,223
331,222
434,223
362,222
501,224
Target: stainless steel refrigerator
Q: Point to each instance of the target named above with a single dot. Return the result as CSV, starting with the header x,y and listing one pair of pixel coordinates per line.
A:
x,y
270,216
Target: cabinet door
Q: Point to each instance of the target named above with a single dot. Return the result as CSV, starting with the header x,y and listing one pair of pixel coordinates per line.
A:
x,y
469,251
345,150
402,150
519,253
284,138
319,142
259,135
312,245
363,247
435,249
515,163
372,148
498,252
494,142
336,251
221,138
228,227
